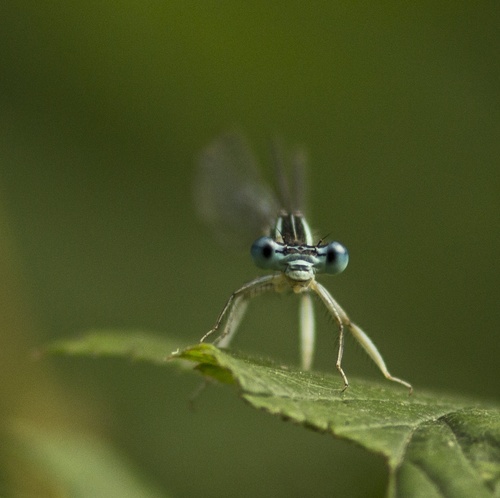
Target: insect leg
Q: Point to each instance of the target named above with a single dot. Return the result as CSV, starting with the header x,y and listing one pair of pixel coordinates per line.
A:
x,y
339,316
374,354
236,306
365,342
307,330
234,317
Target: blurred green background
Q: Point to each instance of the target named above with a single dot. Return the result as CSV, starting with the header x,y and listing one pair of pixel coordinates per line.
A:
x,y
103,109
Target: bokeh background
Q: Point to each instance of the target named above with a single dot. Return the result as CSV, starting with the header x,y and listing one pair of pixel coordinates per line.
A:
x,y
103,109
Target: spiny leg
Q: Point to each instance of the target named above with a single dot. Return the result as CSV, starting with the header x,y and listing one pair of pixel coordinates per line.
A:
x,y
307,330
236,312
330,304
366,343
236,306
234,317
338,365
340,354
373,353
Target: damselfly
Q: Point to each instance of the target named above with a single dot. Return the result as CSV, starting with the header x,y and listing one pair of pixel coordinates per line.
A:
x,y
231,196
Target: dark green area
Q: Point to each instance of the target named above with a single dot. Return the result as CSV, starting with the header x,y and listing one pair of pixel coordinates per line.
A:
x,y
433,444
104,108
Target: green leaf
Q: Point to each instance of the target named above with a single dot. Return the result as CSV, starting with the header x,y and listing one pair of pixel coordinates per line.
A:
x,y
136,345
435,445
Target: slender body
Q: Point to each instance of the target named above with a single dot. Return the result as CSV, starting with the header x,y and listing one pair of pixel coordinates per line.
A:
x,y
288,249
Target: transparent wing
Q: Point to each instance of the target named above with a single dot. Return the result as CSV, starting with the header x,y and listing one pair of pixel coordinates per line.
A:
x,y
291,194
229,193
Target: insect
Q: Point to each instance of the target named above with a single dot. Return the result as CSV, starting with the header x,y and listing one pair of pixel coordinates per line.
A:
x,y
231,195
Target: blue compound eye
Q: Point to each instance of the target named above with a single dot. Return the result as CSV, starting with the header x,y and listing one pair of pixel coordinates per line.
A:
x,y
336,258
264,253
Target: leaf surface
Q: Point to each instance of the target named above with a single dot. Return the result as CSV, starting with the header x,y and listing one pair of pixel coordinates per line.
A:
x,y
435,445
